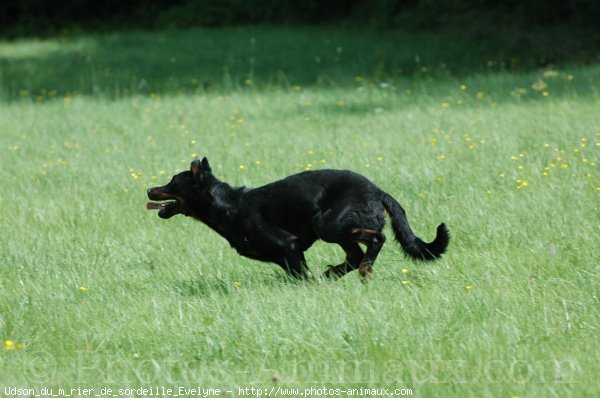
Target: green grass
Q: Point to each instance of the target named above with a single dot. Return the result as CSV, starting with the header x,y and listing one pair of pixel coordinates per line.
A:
x,y
97,292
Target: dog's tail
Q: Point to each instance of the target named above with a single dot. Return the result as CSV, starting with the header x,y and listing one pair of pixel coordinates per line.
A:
x,y
411,244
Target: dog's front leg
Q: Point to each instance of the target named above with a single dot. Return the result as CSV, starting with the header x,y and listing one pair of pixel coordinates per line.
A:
x,y
295,265
286,251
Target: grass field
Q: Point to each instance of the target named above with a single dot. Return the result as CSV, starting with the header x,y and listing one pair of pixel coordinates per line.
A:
x,y
96,292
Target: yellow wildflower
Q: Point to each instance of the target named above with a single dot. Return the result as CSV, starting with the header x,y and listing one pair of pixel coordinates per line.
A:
x,y
540,85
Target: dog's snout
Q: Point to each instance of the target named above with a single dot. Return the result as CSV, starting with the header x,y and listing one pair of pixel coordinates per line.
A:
x,y
159,193
153,193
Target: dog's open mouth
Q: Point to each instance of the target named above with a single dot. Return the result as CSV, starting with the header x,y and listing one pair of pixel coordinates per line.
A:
x,y
167,209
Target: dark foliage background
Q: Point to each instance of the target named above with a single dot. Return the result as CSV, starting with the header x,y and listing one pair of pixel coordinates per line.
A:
x,y
21,17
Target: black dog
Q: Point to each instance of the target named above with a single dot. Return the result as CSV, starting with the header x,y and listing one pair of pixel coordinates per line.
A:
x,y
281,220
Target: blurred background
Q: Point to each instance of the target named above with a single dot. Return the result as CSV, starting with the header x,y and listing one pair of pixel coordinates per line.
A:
x,y
24,17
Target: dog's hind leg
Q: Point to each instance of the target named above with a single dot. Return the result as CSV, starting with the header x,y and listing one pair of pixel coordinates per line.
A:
x,y
354,255
355,258
374,241
337,227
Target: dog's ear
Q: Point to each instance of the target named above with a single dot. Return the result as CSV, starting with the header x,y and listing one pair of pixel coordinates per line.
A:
x,y
205,165
196,167
199,166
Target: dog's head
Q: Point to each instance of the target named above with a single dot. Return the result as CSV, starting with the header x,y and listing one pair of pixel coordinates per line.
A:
x,y
184,189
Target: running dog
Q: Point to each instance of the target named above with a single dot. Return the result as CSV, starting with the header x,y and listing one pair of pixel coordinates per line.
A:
x,y
279,221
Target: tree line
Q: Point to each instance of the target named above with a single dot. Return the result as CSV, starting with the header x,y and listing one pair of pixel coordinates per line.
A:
x,y
38,16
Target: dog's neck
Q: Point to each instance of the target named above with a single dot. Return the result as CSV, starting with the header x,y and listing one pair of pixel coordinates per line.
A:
x,y
219,212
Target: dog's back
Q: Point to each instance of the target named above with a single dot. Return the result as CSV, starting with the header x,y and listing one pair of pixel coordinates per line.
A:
x,y
320,187
301,196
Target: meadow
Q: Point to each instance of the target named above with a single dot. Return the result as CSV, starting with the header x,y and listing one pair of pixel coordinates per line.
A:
x,y
492,139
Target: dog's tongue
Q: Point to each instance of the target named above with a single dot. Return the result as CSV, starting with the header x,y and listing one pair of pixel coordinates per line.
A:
x,y
152,206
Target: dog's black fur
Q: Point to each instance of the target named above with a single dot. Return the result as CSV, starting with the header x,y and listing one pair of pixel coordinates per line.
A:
x,y
278,222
